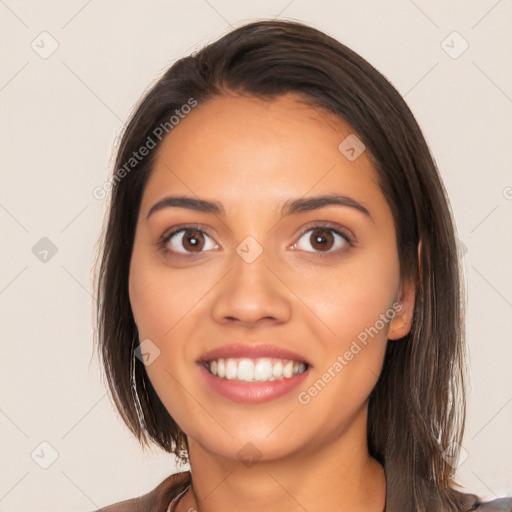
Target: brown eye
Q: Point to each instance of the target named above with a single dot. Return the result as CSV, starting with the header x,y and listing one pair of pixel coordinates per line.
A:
x,y
193,240
321,240
189,240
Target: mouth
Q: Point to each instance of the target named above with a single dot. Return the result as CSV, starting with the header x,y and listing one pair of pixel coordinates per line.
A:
x,y
252,374
262,369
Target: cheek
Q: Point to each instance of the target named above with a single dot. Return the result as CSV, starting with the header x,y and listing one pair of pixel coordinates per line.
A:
x,y
159,305
161,296
146,300
350,297
350,306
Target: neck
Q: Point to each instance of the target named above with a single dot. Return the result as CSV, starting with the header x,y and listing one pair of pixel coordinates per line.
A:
x,y
339,476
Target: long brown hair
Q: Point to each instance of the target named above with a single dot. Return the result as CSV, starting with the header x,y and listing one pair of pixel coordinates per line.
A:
x,y
417,408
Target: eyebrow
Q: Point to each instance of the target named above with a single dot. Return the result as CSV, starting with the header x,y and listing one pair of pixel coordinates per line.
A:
x,y
290,207
200,205
314,203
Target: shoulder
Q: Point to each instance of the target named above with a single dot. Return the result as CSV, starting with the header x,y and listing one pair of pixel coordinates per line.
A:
x,y
471,502
501,504
156,500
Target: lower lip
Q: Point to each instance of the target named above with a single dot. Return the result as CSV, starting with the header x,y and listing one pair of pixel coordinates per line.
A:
x,y
251,392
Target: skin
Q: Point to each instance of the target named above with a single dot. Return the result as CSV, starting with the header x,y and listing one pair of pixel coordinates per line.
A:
x,y
252,155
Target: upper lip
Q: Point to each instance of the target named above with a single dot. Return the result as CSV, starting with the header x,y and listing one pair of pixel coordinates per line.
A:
x,y
251,351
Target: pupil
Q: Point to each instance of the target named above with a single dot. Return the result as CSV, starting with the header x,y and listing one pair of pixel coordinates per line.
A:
x,y
194,240
324,240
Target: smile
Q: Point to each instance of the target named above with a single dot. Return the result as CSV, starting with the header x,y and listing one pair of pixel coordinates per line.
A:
x,y
263,369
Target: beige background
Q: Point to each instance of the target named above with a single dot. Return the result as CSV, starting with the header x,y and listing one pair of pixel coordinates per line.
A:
x,y
60,116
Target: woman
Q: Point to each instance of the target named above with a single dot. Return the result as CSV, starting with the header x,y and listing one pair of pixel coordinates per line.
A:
x,y
279,289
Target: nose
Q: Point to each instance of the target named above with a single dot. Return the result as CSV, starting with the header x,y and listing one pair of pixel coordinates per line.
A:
x,y
251,294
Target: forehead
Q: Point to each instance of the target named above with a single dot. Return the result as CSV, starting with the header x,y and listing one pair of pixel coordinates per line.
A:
x,y
241,147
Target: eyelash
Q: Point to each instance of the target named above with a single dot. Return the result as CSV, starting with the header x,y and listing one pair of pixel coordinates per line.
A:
x,y
164,239
334,228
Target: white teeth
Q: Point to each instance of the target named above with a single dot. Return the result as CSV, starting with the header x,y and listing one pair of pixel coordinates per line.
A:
x,y
231,369
255,370
246,369
221,370
262,370
288,369
277,370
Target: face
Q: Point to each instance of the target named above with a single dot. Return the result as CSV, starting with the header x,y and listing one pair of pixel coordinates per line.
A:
x,y
267,263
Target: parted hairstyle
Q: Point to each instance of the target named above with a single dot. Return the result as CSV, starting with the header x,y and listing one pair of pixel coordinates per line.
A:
x,y
417,409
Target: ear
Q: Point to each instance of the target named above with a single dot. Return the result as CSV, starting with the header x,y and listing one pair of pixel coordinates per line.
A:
x,y
400,324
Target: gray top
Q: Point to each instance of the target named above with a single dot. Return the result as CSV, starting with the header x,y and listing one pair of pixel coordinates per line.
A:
x,y
167,494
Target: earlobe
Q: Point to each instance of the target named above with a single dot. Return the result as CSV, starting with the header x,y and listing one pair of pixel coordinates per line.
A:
x,y
400,324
